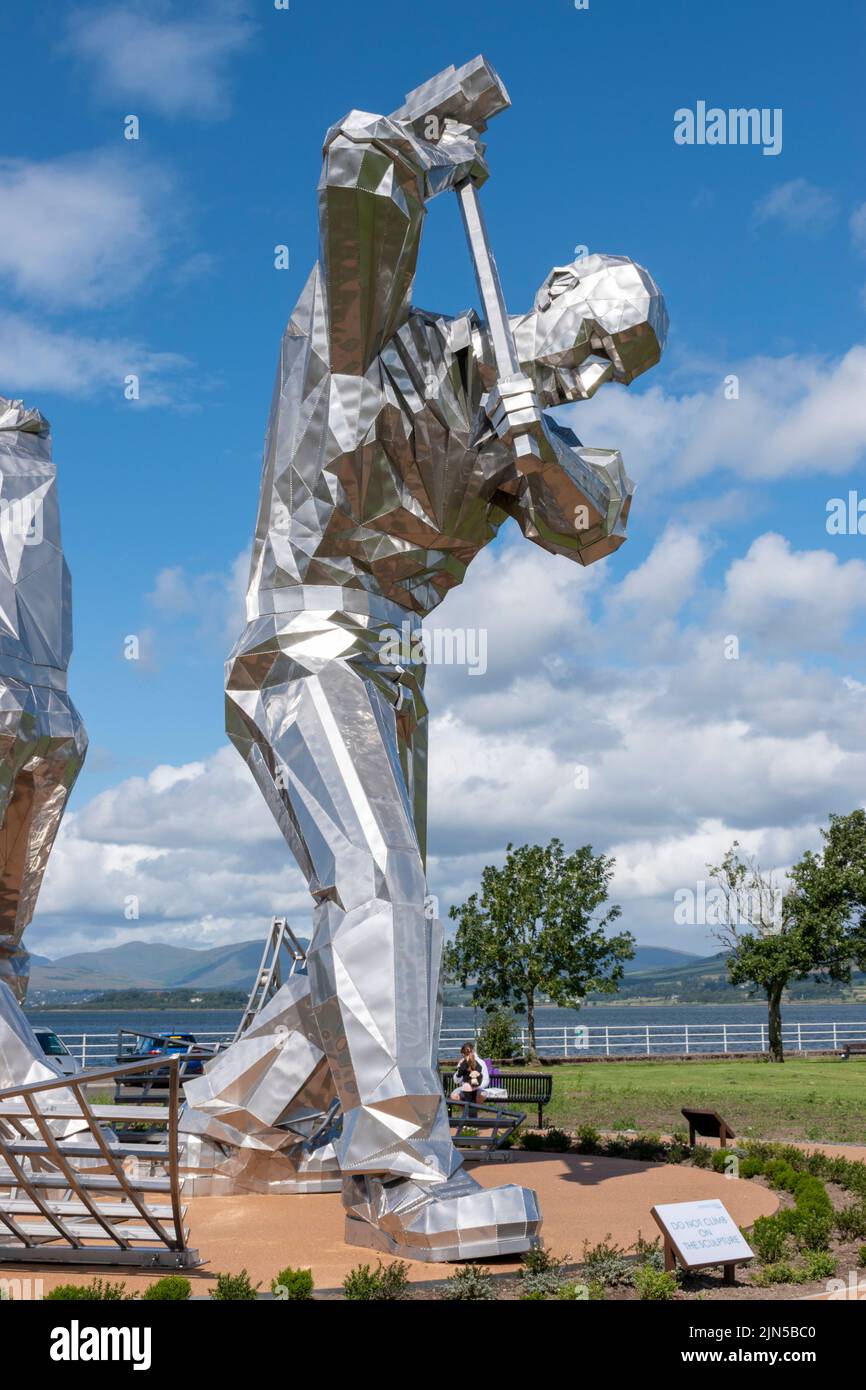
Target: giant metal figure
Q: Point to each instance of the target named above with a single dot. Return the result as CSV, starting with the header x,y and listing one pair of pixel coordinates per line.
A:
x,y
399,442
42,738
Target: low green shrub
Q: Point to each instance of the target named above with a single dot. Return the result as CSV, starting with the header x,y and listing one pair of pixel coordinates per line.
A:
x,y
97,1291
234,1288
861,1257
811,1220
556,1141
617,1147
293,1284
788,1219
851,1221
571,1289
389,1282
702,1157
649,1252
813,1229
677,1151
546,1283
751,1167
171,1288
768,1239
545,1141
654,1285
535,1295
532,1142
819,1264
588,1140
540,1259
722,1158
608,1264
780,1174
648,1148
470,1282
780,1273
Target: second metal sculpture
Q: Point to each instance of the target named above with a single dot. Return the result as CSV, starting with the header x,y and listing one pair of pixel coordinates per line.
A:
x,y
42,738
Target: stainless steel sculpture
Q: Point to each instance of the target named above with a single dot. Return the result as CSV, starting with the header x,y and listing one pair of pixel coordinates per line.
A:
x,y
262,1117
399,442
42,738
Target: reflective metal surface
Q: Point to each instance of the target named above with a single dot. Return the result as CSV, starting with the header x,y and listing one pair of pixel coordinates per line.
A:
x,y
42,738
396,448
261,1117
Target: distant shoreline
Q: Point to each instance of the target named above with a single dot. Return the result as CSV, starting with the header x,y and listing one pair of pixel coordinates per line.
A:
x,y
584,1008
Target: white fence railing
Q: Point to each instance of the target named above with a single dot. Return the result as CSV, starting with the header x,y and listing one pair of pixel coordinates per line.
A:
x,y
94,1049
680,1039
616,1040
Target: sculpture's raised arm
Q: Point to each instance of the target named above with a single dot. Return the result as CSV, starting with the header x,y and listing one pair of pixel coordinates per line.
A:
x,y
376,180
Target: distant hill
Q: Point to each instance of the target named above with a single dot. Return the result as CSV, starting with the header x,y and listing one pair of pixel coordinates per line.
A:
x,y
159,965
705,980
152,965
656,973
660,958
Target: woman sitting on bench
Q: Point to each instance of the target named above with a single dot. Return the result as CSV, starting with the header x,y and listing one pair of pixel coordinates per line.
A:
x,y
471,1077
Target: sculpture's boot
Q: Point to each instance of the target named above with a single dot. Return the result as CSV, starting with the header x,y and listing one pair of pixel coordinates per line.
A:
x,y
453,1220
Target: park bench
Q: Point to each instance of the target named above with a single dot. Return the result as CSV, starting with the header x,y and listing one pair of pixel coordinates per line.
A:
x,y
522,1087
853,1049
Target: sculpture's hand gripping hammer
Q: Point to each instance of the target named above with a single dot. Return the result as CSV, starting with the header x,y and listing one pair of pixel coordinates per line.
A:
x,y
472,95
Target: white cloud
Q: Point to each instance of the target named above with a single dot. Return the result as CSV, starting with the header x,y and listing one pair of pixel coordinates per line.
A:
x,y
666,580
804,598
686,750
215,601
33,359
798,205
794,415
857,224
82,230
162,57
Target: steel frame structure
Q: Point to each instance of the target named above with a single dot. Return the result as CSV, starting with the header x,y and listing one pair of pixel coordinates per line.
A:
x,y
73,1178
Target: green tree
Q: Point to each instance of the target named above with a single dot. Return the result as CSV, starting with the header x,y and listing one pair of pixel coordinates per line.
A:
x,y
817,928
538,927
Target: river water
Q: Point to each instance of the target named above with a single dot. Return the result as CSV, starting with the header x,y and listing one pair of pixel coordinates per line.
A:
x,y
733,1027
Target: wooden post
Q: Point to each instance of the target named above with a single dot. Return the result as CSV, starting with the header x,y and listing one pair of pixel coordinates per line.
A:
x,y
670,1258
730,1273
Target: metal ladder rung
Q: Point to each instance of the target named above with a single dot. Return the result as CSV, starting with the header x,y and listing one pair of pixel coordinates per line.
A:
x,y
72,1207
26,1147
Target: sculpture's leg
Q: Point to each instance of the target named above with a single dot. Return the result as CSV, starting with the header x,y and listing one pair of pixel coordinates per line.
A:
x,y
37,774
324,745
322,737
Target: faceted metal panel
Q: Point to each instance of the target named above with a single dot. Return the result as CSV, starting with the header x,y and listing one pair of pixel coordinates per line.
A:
x,y
399,441
42,738
259,1119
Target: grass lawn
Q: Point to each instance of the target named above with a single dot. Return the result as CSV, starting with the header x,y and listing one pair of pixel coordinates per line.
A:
x,y
822,1099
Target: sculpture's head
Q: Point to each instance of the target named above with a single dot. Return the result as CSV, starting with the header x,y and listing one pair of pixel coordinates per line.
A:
x,y
601,318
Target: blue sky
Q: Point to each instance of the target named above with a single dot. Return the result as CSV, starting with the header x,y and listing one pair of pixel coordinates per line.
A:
x,y
156,256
